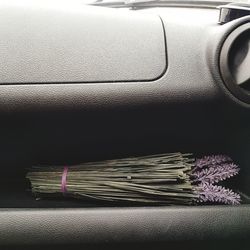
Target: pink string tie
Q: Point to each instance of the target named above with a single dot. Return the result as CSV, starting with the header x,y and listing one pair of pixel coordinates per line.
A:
x,y
64,180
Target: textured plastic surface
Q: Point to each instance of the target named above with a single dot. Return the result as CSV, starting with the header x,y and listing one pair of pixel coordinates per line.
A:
x,y
76,226
41,122
188,108
72,42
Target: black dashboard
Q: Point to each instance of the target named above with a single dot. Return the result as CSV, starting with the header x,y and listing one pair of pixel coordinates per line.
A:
x,y
81,83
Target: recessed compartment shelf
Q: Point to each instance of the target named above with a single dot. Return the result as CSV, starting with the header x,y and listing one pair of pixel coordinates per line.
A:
x,y
14,191
73,222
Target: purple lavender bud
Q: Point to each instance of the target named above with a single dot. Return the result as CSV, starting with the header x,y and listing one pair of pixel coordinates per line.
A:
x,y
214,174
208,193
212,160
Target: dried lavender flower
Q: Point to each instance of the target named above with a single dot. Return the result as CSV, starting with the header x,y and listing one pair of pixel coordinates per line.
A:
x,y
212,160
214,174
208,193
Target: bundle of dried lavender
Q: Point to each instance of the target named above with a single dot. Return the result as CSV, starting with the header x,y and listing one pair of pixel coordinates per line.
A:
x,y
171,179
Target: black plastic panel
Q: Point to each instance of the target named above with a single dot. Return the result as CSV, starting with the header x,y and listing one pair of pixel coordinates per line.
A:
x,y
67,226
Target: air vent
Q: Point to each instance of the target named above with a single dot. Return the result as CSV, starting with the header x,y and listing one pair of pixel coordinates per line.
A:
x,y
235,62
